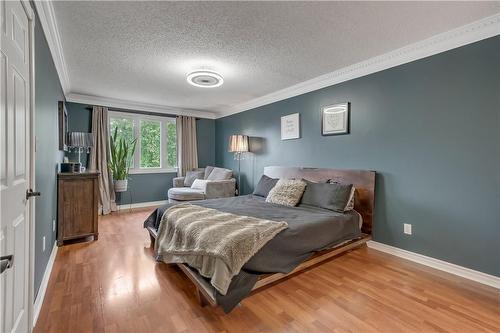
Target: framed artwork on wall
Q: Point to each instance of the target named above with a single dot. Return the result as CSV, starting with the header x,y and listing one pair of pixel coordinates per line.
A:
x,y
335,119
63,126
290,127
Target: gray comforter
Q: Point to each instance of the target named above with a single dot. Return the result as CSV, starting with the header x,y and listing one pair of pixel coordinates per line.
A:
x,y
310,229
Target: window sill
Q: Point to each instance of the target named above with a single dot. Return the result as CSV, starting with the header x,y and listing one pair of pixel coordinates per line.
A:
x,y
151,170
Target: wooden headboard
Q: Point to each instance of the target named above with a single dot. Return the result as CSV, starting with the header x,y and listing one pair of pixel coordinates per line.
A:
x,y
363,180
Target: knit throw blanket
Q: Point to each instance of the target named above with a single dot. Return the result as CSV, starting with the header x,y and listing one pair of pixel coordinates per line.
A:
x,y
215,243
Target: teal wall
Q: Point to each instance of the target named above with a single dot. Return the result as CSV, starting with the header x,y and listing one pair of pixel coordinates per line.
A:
x,y
205,135
48,92
145,187
430,128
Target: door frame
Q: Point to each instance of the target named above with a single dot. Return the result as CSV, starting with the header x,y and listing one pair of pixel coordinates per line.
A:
x,y
32,140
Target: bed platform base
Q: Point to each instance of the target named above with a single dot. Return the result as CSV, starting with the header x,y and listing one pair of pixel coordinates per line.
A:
x,y
205,293
317,258
363,181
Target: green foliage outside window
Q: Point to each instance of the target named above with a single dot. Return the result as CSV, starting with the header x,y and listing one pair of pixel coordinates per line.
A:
x,y
150,144
124,131
171,145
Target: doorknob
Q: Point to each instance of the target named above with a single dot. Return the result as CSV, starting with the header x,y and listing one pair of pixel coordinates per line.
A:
x,y
30,193
5,262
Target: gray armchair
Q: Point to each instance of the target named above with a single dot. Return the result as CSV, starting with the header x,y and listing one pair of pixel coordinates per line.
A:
x,y
219,184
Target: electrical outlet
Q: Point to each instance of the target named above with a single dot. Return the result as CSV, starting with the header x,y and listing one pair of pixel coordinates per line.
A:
x,y
54,225
43,244
407,228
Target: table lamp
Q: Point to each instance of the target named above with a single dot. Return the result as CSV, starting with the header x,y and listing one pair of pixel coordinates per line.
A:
x,y
80,141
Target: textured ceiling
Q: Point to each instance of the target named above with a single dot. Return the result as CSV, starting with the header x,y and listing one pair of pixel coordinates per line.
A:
x,y
142,51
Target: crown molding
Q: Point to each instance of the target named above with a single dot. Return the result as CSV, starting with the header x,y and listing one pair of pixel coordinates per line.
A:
x,y
137,106
470,33
48,21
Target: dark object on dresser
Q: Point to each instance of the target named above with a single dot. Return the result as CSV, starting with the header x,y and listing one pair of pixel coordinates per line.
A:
x,y
77,199
70,167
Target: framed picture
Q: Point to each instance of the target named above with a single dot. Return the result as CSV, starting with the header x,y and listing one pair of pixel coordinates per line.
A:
x,y
63,126
290,127
335,119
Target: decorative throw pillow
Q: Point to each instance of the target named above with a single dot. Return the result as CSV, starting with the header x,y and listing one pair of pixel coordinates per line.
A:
x,y
191,176
350,204
265,185
287,192
200,184
208,170
220,174
333,196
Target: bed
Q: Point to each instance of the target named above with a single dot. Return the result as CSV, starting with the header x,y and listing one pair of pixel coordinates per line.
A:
x,y
313,234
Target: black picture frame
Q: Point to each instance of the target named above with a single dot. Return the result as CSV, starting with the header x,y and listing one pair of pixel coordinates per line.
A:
x,y
347,119
63,126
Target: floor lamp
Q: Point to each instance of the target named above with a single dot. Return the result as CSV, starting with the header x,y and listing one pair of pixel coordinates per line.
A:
x,y
238,144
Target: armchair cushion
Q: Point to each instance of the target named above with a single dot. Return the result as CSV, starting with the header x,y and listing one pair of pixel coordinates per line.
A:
x,y
220,174
192,175
208,171
185,194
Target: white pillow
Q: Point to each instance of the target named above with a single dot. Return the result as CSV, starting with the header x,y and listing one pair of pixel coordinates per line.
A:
x,y
200,184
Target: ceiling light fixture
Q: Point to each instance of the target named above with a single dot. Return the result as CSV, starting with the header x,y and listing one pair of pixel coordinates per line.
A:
x,y
205,79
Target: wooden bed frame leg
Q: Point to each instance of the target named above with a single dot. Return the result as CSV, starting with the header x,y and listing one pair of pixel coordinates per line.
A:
x,y
201,299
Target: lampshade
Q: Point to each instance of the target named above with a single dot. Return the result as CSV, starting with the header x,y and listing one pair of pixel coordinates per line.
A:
x,y
238,143
80,139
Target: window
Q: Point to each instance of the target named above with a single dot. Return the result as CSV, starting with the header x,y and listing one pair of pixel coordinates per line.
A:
x,y
156,149
150,144
124,127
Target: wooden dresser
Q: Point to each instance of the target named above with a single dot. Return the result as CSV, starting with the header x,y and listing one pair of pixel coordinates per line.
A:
x,y
77,200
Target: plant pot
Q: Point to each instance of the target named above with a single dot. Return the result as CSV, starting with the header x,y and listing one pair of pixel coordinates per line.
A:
x,y
121,185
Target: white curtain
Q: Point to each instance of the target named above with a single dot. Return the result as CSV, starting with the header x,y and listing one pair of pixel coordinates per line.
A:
x,y
187,149
99,157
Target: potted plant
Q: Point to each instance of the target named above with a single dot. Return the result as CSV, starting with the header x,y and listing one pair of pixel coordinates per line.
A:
x,y
122,153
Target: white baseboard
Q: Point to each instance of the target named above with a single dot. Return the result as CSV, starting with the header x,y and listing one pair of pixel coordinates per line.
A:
x,y
464,272
43,285
142,204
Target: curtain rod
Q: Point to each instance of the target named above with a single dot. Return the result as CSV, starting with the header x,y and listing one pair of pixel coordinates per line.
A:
x,y
140,112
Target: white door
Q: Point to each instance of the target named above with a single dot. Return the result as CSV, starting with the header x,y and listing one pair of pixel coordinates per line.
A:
x,y
15,164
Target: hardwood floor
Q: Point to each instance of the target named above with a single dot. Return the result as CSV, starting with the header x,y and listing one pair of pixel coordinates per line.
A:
x,y
114,285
